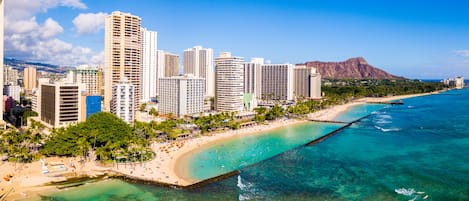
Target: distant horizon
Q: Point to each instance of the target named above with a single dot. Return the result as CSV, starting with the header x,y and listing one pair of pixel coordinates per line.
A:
x,y
411,39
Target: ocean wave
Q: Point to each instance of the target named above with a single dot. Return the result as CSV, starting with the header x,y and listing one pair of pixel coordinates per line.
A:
x,y
384,116
404,191
412,192
246,189
382,121
387,129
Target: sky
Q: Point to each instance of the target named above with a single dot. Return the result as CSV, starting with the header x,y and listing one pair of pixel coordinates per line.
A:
x,y
411,38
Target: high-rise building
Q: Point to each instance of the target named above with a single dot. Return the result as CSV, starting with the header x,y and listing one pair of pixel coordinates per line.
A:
x,y
122,54
307,82
199,62
456,82
10,75
229,83
87,75
253,77
64,101
459,82
123,100
149,64
277,82
181,95
29,79
160,63
171,64
13,91
1,56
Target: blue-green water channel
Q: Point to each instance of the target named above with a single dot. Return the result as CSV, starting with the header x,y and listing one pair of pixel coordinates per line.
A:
x,y
416,151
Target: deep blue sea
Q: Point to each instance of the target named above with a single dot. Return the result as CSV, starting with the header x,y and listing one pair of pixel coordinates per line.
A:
x,y
415,151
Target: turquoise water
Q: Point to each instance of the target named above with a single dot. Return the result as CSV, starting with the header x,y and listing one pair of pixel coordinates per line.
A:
x,y
235,154
408,152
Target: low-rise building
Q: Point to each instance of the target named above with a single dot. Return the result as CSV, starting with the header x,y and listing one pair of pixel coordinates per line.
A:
x,y
13,91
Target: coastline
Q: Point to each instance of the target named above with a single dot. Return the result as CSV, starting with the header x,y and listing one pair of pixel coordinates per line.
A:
x,y
165,168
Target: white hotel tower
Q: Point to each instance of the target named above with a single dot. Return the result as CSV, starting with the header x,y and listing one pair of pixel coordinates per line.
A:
x,y
123,100
149,64
181,95
229,83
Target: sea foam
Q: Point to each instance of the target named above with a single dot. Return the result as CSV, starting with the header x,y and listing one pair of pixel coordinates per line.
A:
x,y
404,191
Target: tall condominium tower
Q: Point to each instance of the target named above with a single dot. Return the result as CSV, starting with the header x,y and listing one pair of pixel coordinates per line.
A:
x,y
29,79
229,83
199,62
307,82
149,65
171,67
181,95
123,100
87,75
122,54
1,56
277,82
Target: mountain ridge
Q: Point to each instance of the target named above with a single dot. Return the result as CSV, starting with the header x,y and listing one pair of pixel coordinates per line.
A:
x,y
352,68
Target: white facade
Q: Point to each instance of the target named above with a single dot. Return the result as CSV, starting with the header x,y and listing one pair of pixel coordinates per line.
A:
x,y
122,54
90,76
13,91
459,82
181,95
160,64
123,100
149,64
229,83
277,82
456,82
199,62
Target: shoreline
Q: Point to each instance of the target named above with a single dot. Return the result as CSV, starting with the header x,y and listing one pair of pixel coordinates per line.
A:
x,y
165,168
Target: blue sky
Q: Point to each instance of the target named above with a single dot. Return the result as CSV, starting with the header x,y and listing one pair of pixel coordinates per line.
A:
x,y
416,39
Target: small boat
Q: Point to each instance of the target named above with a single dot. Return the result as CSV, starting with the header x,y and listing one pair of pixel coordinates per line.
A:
x,y
425,197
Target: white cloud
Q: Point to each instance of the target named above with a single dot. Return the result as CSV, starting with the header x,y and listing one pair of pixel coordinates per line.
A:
x,y
89,22
464,53
25,9
50,28
26,38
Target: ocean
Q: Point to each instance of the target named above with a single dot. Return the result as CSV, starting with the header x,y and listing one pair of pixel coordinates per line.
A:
x,y
415,151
